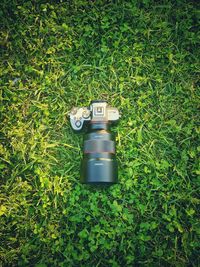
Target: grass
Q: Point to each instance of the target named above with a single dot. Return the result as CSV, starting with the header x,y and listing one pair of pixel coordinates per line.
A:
x,y
141,56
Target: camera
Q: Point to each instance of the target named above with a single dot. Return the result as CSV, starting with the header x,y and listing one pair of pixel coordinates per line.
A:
x,y
99,164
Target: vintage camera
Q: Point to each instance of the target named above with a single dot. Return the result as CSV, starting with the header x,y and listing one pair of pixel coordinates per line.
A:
x,y
99,164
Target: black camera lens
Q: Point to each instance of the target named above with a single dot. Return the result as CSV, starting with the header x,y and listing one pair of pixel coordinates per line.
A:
x,y
99,164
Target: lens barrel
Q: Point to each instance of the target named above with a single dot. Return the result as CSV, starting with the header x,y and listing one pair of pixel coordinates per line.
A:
x,y
99,164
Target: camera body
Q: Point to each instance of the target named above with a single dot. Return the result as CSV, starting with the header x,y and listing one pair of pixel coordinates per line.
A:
x,y
99,164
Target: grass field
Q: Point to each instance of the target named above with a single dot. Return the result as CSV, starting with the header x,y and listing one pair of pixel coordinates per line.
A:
x,y
141,56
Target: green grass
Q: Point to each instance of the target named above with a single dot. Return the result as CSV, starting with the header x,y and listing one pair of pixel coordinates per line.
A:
x,y
141,56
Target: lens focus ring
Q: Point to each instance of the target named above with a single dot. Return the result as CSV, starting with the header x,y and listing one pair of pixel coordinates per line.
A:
x,y
99,146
